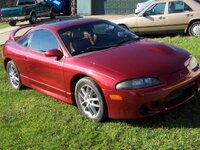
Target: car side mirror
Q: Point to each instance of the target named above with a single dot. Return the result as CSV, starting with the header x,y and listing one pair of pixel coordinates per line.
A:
x,y
145,14
54,53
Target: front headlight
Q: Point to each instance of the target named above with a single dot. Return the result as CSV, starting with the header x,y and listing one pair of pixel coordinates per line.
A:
x,y
137,83
193,63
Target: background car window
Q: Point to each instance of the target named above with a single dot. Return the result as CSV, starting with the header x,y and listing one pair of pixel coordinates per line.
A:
x,y
43,40
102,28
26,2
25,40
178,7
157,9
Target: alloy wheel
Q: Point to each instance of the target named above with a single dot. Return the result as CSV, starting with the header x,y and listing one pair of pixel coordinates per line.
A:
x,y
89,101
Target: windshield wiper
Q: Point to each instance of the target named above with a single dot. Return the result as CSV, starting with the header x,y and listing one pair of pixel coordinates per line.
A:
x,y
127,41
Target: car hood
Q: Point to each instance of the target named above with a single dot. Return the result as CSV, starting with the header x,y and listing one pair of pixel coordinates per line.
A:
x,y
139,59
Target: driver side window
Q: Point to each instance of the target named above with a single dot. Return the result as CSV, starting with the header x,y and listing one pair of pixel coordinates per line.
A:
x,y
157,9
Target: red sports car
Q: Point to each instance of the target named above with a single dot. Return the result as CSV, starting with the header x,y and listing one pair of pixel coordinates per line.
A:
x,y
107,71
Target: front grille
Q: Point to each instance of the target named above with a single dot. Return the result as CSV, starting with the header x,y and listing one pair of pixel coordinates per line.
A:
x,y
181,94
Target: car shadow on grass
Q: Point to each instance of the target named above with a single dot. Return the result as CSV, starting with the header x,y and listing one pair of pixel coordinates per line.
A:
x,y
184,116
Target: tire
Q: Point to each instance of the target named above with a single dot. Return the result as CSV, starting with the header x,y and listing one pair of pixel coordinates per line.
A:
x,y
33,18
12,23
194,29
89,100
14,76
123,26
53,13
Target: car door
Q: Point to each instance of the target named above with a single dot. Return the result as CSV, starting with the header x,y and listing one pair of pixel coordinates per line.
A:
x,y
23,43
178,16
45,73
152,19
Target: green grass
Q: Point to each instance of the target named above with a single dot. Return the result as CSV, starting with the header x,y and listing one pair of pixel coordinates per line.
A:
x,y
31,120
3,25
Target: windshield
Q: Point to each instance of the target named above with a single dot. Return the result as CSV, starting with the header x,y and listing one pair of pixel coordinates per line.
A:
x,y
94,37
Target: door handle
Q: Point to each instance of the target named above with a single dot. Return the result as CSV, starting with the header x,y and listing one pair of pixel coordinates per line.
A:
x,y
189,15
161,17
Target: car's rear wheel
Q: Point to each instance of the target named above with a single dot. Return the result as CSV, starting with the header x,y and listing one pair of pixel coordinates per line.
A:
x,y
14,76
89,100
53,13
194,29
33,18
12,23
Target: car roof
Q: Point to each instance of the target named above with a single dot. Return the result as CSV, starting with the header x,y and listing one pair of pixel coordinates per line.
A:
x,y
192,3
60,24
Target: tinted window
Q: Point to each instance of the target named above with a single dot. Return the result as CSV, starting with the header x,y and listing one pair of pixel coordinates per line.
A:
x,y
102,28
43,40
95,36
177,7
26,2
157,9
25,40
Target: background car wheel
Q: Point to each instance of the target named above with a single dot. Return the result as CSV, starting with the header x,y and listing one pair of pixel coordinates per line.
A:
x,y
12,23
123,26
90,100
14,76
194,29
53,13
33,18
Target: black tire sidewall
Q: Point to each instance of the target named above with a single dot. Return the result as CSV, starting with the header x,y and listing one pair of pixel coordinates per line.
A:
x,y
31,18
53,13
12,23
7,68
103,111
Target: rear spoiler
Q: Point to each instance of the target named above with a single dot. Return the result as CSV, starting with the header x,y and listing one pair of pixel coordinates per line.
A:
x,y
13,34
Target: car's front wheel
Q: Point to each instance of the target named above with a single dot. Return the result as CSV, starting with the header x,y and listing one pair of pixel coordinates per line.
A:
x,y
14,76
194,29
89,100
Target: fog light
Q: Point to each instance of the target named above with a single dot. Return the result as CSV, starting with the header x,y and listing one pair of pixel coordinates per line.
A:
x,y
116,97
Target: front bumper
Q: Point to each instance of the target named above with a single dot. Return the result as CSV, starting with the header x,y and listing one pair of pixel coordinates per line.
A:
x,y
17,18
151,101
